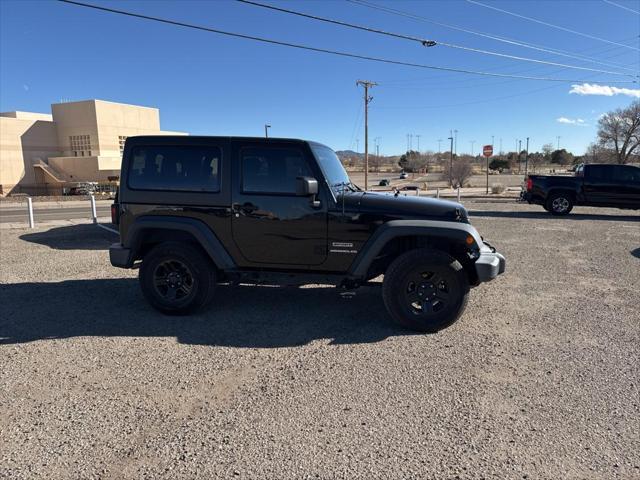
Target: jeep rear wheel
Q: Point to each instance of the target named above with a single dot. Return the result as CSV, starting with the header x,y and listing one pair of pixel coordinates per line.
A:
x,y
177,278
425,290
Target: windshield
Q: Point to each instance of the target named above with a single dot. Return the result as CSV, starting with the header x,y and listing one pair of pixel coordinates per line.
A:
x,y
331,167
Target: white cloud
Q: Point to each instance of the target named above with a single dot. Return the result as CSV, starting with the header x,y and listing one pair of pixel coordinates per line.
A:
x,y
572,121
591,89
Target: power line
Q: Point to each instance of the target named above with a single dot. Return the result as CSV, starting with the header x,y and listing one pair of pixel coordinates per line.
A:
x,y
327,51
621,6
558,27
425,42
464,104
511,41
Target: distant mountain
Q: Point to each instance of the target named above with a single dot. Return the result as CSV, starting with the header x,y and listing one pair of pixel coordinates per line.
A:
x,y
349,154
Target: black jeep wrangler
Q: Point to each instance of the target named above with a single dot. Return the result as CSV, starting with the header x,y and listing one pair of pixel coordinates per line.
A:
x,y
197,211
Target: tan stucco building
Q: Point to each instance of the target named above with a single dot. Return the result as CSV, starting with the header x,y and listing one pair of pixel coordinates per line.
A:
x,y
77,142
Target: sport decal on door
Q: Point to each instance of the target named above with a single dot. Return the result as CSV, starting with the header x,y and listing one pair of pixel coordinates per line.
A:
x,y
342,247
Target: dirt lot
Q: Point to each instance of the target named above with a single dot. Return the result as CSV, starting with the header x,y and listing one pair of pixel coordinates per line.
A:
x,y
539,379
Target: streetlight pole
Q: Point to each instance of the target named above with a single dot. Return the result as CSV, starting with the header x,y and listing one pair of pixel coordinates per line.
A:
x,y
456,140
472,142
451,163
266,130
519,156
526,159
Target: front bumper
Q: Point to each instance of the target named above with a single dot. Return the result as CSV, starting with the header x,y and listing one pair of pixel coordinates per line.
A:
x,y
120,256
490,264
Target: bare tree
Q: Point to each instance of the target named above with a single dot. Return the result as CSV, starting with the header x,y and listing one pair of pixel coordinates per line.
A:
x,y
547,150
460,172
595,154
619,130
536,159
375,162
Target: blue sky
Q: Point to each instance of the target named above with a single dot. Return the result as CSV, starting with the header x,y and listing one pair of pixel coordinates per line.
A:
x,y
215,85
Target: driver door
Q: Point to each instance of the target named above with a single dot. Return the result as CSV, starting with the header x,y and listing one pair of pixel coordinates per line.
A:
x,y
271,223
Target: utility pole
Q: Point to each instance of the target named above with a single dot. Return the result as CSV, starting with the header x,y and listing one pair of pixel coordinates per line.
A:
x,y
266,130
526,159
558,138
366,84
451,163
439,146
418,139
472,142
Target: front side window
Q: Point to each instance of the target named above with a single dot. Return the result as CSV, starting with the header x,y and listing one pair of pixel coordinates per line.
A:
x,y
173,167
272,169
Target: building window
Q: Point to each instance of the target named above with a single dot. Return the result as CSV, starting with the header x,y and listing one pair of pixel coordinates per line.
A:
x,y
80,145
121,140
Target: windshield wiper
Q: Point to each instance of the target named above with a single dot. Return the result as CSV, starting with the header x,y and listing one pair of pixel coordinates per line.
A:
x,y
352,186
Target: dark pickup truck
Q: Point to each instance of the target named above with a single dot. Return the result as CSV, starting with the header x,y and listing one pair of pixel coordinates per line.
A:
x,y
595,185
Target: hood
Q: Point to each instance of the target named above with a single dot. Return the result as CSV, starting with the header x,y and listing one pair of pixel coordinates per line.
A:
x,y
404,207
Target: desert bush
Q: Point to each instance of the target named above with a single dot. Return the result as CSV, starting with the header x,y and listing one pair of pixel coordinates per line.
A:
x,y
497,188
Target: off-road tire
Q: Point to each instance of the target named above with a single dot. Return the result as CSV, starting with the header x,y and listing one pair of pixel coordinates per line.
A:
x,y
400,278
189,267
559,203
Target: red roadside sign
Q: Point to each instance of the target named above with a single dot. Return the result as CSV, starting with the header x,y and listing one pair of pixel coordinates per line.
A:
x,y
487,150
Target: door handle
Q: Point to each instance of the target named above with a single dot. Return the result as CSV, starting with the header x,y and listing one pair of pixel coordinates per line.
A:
x,y
246,208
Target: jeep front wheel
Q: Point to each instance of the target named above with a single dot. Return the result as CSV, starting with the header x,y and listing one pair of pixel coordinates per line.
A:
x,y
177,278
425,290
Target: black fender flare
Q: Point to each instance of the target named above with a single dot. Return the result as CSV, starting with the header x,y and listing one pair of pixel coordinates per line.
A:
x,y
454,231
203,235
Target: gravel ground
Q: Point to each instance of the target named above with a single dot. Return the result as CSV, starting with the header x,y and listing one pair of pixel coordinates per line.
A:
x,y
539,379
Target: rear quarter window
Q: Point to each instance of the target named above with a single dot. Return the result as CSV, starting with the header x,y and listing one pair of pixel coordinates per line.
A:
x,y
189,168
599,172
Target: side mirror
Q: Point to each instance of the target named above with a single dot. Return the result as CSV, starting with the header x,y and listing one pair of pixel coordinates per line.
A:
x,y
306,186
